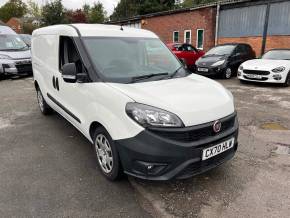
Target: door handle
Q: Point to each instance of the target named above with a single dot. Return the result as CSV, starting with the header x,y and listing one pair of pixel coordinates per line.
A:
x,y
55,83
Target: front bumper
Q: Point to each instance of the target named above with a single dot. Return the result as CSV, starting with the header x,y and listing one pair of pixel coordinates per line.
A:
x,y
211,71
16,67
262,76
154,157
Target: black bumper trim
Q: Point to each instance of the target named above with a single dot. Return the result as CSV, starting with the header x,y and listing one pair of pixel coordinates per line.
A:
x,y
176,156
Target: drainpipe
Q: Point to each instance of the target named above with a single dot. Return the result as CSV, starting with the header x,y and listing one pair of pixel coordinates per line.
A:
x,y
265,31
217,23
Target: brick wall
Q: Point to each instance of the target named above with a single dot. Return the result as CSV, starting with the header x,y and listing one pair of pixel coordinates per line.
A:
x,y
164,26
277,42
15,24
255,42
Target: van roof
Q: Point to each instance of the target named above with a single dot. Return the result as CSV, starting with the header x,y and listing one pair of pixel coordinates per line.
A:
x,y
94,30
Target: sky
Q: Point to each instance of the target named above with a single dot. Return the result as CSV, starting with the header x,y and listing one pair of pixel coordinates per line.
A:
x,y
74,4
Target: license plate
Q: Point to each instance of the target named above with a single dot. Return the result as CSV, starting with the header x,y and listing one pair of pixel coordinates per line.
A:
x,y
202,69
217,149
253,76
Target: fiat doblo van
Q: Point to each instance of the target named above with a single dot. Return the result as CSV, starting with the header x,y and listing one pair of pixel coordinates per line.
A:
x,y
145,114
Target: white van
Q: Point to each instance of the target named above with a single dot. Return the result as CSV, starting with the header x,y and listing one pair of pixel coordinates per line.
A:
x,y
15,57
134,101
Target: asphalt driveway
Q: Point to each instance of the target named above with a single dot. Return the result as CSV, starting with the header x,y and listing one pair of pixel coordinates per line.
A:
x,y
47,168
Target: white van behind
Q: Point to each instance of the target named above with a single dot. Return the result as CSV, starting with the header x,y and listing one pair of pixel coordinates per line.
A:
x,y
130,96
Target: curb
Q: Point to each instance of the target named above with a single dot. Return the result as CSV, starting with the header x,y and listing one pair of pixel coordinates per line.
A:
x,y
148,202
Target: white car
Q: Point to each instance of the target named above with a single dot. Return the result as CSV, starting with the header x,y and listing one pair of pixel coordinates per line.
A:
x,y
273,67
143,112
15,57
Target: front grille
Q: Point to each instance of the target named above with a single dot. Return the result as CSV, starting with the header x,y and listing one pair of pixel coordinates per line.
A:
x,y
256,72
5,66
195,133
24,68
257,79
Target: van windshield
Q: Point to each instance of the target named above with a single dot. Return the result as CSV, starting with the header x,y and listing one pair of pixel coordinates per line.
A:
x,y
133,59
12,43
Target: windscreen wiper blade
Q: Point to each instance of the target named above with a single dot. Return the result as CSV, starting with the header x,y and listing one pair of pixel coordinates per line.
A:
x,y
138,78
175,72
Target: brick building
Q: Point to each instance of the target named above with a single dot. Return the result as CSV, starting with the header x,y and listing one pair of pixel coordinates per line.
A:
x,y
16,24
264,24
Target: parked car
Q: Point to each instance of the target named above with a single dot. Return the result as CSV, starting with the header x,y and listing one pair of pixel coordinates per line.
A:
x,y
187,53
15,57
150,120
224,60
26,38
273,67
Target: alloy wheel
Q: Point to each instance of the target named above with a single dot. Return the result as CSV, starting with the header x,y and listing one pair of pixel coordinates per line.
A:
x,y
104,153
228,73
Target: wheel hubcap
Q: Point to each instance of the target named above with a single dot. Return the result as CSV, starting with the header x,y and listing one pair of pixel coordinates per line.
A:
x,y
104,153
228,73
40,100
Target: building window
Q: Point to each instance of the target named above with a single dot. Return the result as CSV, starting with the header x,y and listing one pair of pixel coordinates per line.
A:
x,y
175,36
187,36
199,38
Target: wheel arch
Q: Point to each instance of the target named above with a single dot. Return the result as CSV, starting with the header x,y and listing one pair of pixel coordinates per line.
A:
x,y
93,126
36,84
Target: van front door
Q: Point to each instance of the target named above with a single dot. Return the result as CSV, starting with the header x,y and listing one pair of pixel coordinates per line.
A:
x,y
72,95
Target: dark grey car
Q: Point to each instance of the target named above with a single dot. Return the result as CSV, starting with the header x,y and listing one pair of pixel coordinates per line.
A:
x,y
224,60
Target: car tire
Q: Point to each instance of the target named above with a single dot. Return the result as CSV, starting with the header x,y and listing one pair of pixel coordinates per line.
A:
x,y
227,74
2,77
43,106
287,82
107,156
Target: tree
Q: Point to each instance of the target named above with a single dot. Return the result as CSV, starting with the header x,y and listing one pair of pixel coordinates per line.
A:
x,y
28,28
97,13
13,8
86,10
192,3
33,9
129,8
125,9
77,16
53,13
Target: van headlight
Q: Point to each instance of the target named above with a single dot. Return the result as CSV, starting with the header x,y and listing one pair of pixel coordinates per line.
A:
x,y
278,69
148,116
218,63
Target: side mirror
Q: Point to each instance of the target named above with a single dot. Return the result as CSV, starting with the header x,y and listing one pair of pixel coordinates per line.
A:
x,y
69,73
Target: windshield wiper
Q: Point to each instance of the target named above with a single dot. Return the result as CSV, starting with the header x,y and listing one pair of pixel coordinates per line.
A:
x,y
22,48
175,72
138,78
13,49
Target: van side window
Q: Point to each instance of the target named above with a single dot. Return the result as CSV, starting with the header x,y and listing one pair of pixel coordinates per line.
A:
x,y
68,53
